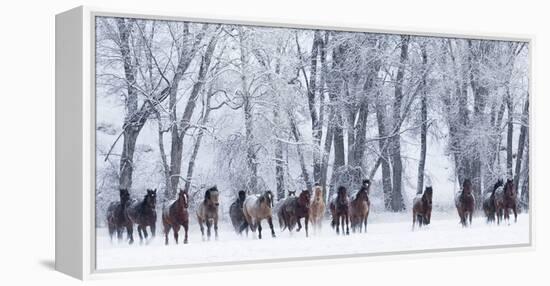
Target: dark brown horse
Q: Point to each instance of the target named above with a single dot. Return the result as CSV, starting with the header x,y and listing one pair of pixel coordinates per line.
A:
x,y
465,203
144,214
175,216
506,200
237,215
339,208
117,217
359,208
293,209
422,207
489,202
207,213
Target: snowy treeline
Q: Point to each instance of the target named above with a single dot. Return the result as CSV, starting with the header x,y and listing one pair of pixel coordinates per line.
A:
x,y
191,105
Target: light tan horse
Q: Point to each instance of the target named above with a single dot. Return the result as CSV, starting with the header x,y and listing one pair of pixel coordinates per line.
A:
x,y
317,208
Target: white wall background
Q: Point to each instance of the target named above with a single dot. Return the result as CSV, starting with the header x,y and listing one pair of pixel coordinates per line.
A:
x,y
27,140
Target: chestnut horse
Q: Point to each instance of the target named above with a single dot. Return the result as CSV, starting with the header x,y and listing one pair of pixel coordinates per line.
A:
x,y
339,208
257,208
489,202
359,208
422,207
207,213
117,216
465,203
506,199
144,214
293,209
175,216
317,208
236,213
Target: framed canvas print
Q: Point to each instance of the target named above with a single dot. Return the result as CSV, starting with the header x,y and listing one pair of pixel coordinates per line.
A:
x,y
186,142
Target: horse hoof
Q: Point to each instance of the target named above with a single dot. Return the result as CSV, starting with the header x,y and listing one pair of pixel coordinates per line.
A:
x,y
185,242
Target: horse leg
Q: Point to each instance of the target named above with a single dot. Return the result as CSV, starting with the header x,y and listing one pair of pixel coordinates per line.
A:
x,y
515,214
270,222
347,224
186,229
336,222
259,229
119,234
130,230
366,219
176,229
140,230
208,226
201,227
166,231
216,227
153,229
471,215
507,215
145,234
414,220
299,225
306,221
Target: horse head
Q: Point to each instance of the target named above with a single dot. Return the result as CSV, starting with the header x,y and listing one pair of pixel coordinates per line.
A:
x,y
318,193
467,187
267,198
305,198
427,196
342,197
183,198
150,198
362,195
242,197
509,189
291,193
212,197
124,196
366,185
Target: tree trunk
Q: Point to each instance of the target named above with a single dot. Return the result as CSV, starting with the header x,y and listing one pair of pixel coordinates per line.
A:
x,y
131,131
424,124
521,142
180,128
279,162
395,155
509,135
298,138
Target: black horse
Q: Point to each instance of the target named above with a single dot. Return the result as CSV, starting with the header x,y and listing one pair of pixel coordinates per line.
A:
x,y
236,213
489,207
144,214
117,216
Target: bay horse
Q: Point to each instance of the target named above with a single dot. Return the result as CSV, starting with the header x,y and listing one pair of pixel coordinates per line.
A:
x,y
293,209
117,217
207,213
465,203
257,208
422,207
506,199
489,202
359,208
144,214
317,208
339,208
176,216
236,213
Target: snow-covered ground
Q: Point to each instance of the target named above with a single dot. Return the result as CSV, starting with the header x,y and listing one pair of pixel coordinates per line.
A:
x,y
386,233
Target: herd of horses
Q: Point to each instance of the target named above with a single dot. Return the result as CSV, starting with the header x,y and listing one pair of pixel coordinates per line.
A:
x,y
249,210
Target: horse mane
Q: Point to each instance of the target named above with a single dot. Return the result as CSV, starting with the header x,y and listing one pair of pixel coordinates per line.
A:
x,y
208,191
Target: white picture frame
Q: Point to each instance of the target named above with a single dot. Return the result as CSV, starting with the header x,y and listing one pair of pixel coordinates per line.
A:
x,y
75,138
